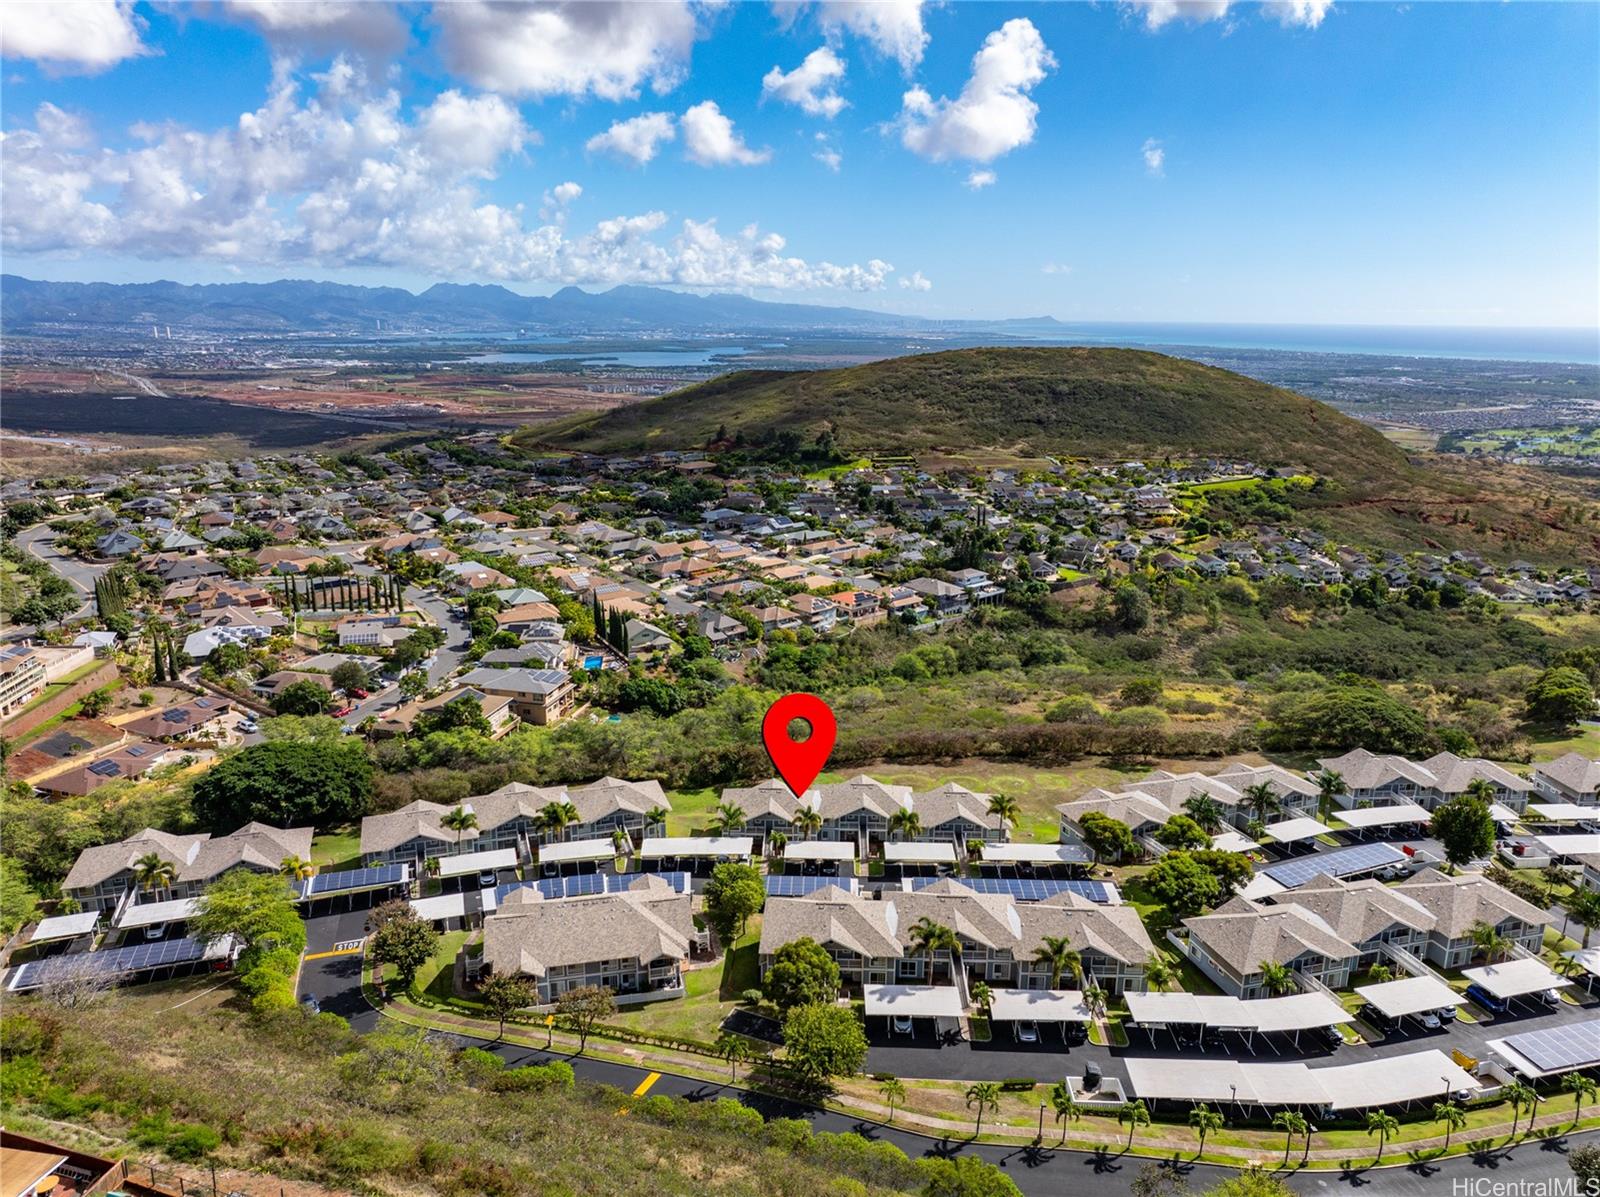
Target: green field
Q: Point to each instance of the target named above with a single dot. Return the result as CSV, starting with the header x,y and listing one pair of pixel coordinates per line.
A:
x,y
1568,440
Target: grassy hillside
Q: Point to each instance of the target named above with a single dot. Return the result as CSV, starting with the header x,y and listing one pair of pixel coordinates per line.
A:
x,y
1082,402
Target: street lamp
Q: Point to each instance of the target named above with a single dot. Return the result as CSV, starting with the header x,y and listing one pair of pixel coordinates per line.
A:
x,y
1040,1139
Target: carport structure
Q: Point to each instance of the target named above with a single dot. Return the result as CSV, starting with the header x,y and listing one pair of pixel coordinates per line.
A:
x,y
576,853
151,914
1294,831
1037,855
1551,1051
1562,812
369,882
1384,1081
1365,818
912,1001
1218,1012
919,853
1515,978
1059,1006
1410,995
467,905
493,860
841,851
65,927
1588,959
696,849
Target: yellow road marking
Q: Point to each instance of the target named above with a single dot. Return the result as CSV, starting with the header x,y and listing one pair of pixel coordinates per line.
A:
x,y
644,1085
339,952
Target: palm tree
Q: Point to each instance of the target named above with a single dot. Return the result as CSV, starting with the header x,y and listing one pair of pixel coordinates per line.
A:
x,y
1482,789
982,997
1330,785
906,824
776,843
1584,906
1487,940
1291,1123
153,871
1453,1117
1094,1000
1204,1120
1380,973
656,816
619,841
1135,1114
1277,978
459,820
1057,953
1556,877
555,817
893,1092
1263,799
296,868
985,1095
1066,1109
727,817
1204,810
1383,1124
1158,973
735,1049
1580,1087
1520,1095
1005,808
808,821
929,937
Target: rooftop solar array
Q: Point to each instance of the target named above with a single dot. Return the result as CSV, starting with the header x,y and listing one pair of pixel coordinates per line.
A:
x,y
116,961
1560,1049
1030,889
794,885
350,880
584,884
1346,862
105,768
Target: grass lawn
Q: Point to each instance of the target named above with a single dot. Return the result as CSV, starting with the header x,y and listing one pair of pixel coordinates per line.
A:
x,y
334,850
711,994
691,810
1586,742
435,977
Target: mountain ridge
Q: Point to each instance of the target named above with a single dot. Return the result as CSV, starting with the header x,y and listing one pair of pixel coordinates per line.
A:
x,y
306,305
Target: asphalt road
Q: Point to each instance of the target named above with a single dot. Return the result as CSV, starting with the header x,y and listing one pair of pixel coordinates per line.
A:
x,y
1038,1172
40,542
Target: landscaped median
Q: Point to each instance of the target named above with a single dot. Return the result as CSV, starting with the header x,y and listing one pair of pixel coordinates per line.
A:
x,y
940,1109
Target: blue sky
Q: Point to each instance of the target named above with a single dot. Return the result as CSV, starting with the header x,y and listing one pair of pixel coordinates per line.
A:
x,y
1302,162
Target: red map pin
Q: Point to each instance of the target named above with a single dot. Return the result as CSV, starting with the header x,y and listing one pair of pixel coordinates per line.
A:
x,y
799,763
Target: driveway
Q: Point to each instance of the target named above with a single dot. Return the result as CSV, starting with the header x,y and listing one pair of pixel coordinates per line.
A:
x,y
40,541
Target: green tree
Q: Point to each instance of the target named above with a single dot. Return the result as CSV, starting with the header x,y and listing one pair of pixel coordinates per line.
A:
x,y
983,1096
1276,978
1057,954
1064,1106
349,675
1105,837
153,871
733,893
1262,799
982,997
1465,828
1560,697
1183,834
1131,607
94,703
735,1049
556,817
286,784
964,1176
1580,1087
1135,1114
581,1008
929,937
1006,809
458,820
1291,1123
1203,1119
893,1092
1488,940
1180,884
905,824
1206,812
1383,1124
257,909
1453,1117
406,943
1519,1095
727,818
824,1041
18,900
302,698
505,994
802,974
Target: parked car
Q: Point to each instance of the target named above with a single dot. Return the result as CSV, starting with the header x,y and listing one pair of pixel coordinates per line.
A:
x,y
248,727
1025,1031
1429,1020
310,1004
356,692
341,712
1075,1033
1447,1014
1332,1037
1486,999
488,879
1371,1014
155,931
902,1024
1551,998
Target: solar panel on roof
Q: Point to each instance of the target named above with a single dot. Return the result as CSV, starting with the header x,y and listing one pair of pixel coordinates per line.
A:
x,y
116,961
582,885
137,750
1027,889
105,768
1362,858
1559,1049
795,885
353,879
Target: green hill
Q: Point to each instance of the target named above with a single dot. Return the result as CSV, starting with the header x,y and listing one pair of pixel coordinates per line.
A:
x,y
1097,403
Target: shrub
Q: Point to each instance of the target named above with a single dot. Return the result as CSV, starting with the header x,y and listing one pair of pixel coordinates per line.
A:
x,y
366,1151
1018,1084
535,1077
789,1135
659,1108
752,997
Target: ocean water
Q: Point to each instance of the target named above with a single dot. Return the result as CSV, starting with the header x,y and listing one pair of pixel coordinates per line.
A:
x,y
643,358
1487,344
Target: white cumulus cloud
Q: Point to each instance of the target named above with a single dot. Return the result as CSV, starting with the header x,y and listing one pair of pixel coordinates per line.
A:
x,y
348,177
636,139
993,114
1158,13
607,48
915,282
324,24
1155,156
892,27
709,139
827,154
1306,13
979,179
471,132
812,86
82,36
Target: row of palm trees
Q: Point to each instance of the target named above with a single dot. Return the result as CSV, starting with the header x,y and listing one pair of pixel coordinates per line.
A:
x,y
984,1097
